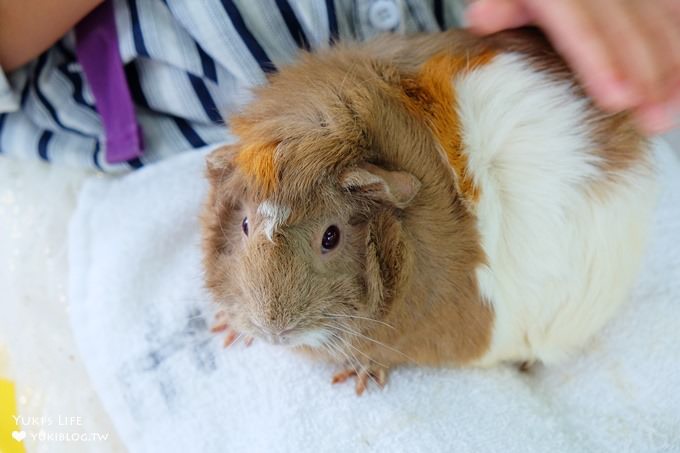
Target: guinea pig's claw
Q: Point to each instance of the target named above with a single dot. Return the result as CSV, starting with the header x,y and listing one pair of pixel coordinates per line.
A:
x,y
343,376
380,376
233,336
221,323
230,339
363,377
219,327
377,375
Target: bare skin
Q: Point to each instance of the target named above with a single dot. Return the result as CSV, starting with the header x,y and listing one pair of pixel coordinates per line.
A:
x,y
626,52
29,27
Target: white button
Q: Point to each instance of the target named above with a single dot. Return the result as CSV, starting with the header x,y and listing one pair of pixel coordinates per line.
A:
x,y
384,15
74,66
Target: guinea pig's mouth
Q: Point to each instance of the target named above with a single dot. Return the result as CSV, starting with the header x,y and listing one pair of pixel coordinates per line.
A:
x,y
292,337
281,338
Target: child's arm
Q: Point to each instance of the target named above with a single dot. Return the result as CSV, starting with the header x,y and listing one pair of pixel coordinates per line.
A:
x,y
28,27
626,52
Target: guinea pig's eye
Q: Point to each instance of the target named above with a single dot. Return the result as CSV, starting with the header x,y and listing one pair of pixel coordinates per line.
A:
x,y
244,225
330,239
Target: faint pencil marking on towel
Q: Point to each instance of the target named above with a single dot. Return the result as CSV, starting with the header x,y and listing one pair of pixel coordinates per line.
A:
x,y
168,391
194,336
151,368
204,356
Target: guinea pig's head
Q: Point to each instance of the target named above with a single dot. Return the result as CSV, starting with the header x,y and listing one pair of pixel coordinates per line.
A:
x,y
318,213
302,228
288,258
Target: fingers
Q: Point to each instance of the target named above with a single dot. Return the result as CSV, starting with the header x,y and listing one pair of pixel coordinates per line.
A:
x,y
625,52
490,16
628,44
655,118
642,42
660,111
574,31
652,63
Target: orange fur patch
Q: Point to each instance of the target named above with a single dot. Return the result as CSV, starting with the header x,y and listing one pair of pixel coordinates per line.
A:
x,y
431,96
257,161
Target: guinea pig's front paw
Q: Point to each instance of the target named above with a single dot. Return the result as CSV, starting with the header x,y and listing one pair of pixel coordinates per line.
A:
x,y
231,336
375,373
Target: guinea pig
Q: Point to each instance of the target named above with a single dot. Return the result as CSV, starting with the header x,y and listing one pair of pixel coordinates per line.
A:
x,y
438,200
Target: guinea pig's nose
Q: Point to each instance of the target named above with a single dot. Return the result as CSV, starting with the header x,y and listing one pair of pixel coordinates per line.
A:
x,y
277,337
284,332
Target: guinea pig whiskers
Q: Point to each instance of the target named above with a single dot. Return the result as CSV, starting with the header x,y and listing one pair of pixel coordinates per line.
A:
x,y
353,363
337,349
358,334
350,361
235,340
347,343
337,315
339,343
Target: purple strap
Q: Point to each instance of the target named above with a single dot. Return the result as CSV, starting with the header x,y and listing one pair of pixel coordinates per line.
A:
x,y
97,51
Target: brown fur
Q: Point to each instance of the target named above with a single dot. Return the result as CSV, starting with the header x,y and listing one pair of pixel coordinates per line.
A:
x,y
430,96
618,141
411,267
257,161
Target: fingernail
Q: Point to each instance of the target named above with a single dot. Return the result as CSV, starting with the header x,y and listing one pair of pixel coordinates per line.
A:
x,y
659,118
617,95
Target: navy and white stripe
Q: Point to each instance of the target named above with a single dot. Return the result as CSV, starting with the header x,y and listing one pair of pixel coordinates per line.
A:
x,y
333,32
3,117
189,65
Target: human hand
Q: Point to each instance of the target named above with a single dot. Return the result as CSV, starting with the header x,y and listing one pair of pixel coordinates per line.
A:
x,y
625,52
29,27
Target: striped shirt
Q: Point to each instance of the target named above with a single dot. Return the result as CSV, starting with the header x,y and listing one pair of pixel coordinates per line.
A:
x,y
188,65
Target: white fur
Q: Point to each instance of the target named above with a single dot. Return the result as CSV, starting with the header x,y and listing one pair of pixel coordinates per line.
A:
x,y
273,215
312,338
562,244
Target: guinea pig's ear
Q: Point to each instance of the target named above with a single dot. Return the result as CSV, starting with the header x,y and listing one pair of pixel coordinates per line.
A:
x,y
394,187
220,163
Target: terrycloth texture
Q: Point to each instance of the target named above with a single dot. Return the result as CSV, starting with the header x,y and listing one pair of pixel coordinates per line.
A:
x,y
36,203
141,321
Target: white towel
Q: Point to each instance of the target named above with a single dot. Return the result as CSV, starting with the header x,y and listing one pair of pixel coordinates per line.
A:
x,y
141,321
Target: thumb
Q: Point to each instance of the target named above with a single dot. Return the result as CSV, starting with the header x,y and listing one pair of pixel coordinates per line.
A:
x,y
490,16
